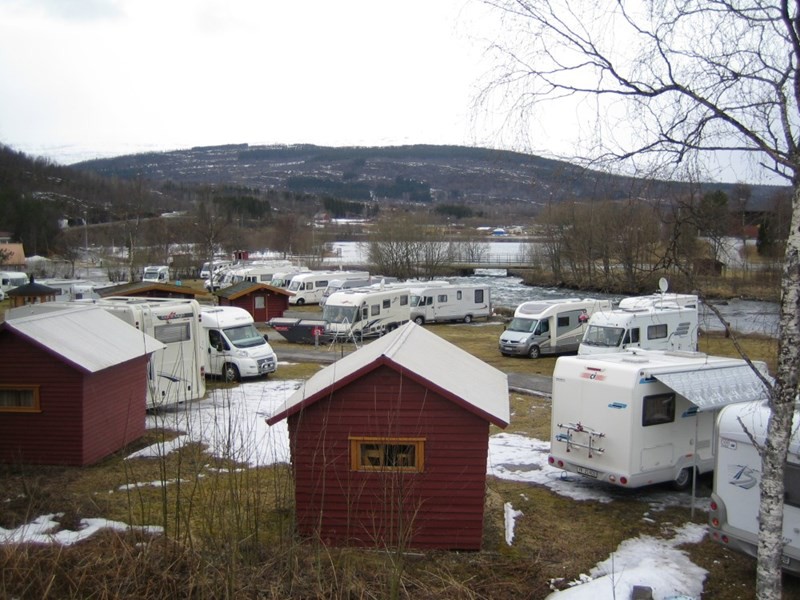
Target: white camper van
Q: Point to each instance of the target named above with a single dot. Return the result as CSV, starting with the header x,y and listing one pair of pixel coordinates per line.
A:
x,y
156,274
12,279
307,288
733,516
450,303
236,349
641,417
549,326
334,285
655,322
365,312
177,373
282,279
73,289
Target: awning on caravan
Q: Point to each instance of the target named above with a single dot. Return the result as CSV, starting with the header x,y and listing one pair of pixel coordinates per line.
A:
x,y
708,389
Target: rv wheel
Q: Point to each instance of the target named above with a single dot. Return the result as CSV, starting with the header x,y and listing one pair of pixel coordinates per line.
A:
x,y
300,302
419,320
683,479
230,373
534,351
468,319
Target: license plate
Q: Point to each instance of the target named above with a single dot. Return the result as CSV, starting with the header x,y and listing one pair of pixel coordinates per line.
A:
x,y
587,472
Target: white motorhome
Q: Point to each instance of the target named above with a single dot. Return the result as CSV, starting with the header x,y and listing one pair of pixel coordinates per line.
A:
x,y
12,279
450,303
156,274
366,312
236,348
641,417
282,279
176,373
549,326
307,288
334,285
73,289
655,322
209,267
733,515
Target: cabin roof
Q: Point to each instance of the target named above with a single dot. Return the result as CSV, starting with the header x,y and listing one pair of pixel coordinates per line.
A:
x,y
453,372
88,337
139,287
243,288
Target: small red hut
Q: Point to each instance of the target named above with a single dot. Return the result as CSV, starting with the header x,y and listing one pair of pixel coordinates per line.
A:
x,y
75,390
262,301
389,444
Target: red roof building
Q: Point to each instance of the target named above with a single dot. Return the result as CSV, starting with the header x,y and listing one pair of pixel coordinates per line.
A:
x,y
389,444
262,301
76,389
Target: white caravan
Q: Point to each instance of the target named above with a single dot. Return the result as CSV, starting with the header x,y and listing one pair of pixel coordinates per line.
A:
x,y
206,270
451,302
307,288
365,312
176,373
655,322
283,278
334,285
641,417
236,348
73,289
733,516
12,279
156,274
549,326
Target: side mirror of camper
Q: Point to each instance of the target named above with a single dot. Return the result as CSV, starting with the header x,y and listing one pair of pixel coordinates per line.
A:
x,y
266,337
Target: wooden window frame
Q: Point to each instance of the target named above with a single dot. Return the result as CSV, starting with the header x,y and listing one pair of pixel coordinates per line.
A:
x,y
35,406
358,444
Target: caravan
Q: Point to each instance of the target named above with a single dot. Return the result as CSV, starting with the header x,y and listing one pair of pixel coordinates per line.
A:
x,y
236,349
450,302
156,274
549,326
641,417
656,322
733,516
307,288
12,279
365,312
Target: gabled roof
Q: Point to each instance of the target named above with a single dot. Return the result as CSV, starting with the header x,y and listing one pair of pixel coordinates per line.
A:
x,y
140,287
88,337
424,356
32,289
243,288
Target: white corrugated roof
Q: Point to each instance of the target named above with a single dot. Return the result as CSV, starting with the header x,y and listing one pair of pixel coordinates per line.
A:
x,y
427,355
86,336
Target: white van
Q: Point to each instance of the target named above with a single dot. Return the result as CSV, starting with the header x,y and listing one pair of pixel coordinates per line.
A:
x,y
307,288
641,417
156,274
655,322
236,349
549,326
735,501
450,303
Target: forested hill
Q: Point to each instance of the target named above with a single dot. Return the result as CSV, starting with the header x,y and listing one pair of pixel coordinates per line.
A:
x,y
423,173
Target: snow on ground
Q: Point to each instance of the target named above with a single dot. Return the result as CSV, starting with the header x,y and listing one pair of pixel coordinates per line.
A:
x,y
231,423
46,530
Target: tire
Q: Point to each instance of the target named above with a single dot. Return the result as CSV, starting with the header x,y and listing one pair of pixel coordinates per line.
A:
x,y
230,373
468,319
419,320
300,302
534,352
683,480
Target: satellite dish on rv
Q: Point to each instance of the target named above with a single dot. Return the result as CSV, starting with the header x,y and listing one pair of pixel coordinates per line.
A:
x,y
663,285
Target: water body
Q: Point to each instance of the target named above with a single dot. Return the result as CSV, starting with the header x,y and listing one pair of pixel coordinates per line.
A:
x,y
745,316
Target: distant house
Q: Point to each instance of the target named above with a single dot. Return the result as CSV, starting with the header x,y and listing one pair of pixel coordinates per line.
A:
x,y
149,289
32,293
262,301
389,444
75,390
12,257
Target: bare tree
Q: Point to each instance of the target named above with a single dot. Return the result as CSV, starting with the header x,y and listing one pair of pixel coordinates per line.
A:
x,y
680,79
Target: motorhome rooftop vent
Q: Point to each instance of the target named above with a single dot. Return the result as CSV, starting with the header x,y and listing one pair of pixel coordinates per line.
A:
x,y
635,359
685,354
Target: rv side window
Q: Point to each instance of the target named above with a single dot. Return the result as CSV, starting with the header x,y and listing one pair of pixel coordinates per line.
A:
x,y
387,303
542,328
631,336
563,321
656,332
321,284
172,333
478,296
442,298
216,340
658,409
375,310
791,483
458,295
404,300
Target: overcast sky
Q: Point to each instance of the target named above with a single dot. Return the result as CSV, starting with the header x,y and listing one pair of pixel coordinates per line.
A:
x,y
93,78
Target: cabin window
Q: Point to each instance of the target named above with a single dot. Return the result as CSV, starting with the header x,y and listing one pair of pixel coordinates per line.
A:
x,y
387,303
387,454
478,296
375,310
19,398
259,302
791,485
658,409
404,300
172,333
656,332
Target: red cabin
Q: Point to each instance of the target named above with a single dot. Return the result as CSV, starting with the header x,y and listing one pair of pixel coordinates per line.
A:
x,y
76,388
389,444
262,301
